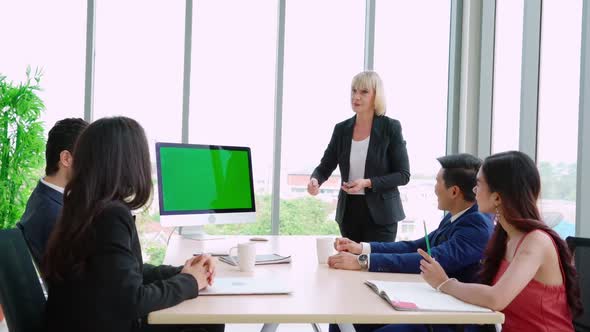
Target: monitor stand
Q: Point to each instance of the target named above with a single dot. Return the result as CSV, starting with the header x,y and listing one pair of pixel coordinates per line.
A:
x,y
197,233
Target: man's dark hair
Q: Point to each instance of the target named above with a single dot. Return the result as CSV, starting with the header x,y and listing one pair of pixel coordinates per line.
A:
x,y
61,137
461,170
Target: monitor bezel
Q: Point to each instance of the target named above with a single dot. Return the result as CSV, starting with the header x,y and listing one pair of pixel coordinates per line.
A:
x,y
164,212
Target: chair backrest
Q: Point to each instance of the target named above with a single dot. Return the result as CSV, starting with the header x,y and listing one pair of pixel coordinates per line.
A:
x,y
580,247
21,294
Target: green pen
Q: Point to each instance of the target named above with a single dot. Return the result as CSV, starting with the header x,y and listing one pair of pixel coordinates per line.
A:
x,y
426,237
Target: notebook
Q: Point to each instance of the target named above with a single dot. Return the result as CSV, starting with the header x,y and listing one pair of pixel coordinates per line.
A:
x,y
260,259
246,286
419,296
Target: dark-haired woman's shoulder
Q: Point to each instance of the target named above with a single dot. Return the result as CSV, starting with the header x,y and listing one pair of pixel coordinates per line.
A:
x,y
114,215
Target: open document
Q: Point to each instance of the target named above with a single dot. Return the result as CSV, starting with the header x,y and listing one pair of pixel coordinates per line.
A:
x,y
419,296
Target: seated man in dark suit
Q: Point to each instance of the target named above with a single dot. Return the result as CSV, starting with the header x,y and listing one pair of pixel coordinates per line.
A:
x,y
46,201
458,243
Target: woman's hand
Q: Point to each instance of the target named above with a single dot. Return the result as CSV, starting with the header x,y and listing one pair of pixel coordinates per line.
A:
x,y
210,264
356,185
202,268
313,187
432,272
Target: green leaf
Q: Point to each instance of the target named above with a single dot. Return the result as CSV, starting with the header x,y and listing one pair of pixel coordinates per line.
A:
x,y
22,145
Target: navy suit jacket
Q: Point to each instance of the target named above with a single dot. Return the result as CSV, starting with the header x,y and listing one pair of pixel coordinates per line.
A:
x,y
40,215
457,246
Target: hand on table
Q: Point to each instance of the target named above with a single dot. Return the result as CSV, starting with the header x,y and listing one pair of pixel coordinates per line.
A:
x,y
347,245
344,261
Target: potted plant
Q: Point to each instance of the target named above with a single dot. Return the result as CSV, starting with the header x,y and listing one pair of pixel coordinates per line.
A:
x,y
22,145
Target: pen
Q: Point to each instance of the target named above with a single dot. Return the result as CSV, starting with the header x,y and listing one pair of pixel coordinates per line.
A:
x,y
426,237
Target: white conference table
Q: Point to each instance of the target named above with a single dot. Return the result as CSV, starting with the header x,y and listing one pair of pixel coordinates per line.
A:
x,y
320,294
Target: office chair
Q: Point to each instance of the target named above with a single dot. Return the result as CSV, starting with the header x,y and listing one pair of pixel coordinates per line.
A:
x,y
21,294
580,248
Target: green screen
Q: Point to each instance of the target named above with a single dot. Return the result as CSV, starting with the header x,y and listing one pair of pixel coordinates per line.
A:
x,y
204,179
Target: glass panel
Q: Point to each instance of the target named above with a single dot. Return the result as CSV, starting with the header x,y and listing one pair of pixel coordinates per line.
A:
x,y
232,89
37,34
559,90
507,75
320,60
139,63
138,74
412,56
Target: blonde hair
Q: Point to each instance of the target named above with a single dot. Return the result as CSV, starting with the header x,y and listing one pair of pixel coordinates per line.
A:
x,y
370,80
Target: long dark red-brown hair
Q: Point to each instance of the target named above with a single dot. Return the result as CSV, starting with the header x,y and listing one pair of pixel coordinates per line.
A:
x,y
514,176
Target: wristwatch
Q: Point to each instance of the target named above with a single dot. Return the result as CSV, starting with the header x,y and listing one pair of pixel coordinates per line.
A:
x,y
363,261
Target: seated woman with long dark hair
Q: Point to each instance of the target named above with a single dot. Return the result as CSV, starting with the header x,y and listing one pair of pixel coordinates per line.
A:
x,y
96,277
527,273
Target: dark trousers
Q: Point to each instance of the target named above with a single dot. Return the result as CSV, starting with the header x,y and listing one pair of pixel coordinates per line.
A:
x,y
181,328
358,225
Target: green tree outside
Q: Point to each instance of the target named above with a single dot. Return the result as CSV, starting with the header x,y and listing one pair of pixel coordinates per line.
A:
x,y
299,216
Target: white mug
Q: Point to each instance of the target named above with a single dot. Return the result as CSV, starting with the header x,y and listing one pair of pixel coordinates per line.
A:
x,y
246,256
325,248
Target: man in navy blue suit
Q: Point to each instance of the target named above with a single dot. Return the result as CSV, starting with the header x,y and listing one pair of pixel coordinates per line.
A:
x,y
46,201
458,243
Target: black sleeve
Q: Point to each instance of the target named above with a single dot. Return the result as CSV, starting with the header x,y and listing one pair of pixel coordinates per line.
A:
x,y
329,160
153,273
117,270
399,163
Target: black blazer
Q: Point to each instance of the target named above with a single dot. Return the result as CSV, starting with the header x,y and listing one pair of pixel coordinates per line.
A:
x,y
43,208
387,166
117,290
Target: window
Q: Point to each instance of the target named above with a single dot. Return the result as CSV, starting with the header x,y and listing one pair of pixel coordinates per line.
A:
x,y
507,75
138,74
321,58
232,89
37,34
412,55
138,65
559,89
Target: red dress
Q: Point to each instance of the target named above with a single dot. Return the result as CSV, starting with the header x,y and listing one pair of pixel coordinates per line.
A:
x,y
538,307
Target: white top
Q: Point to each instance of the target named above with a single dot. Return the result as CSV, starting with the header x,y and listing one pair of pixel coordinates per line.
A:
x,y
358,158
52,186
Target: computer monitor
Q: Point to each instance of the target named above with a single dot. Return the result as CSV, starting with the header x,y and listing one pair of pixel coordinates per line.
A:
x,y
204,184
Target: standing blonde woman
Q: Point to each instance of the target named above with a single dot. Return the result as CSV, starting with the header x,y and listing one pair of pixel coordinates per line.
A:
x,y
371,152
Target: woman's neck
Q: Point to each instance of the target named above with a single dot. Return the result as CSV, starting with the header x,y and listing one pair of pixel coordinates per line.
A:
x,y
511,231
364,119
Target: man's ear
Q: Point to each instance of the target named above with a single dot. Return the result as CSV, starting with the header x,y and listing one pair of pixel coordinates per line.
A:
x,y
455,191
66,159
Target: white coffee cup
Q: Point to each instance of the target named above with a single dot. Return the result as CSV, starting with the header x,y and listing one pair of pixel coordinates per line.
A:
x,y
325,248
246,256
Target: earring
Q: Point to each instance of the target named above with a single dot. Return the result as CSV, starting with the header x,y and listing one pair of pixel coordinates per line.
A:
x,y
497,216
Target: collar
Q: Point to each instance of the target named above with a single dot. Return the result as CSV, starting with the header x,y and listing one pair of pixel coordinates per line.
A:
x,y
53,186
459,214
